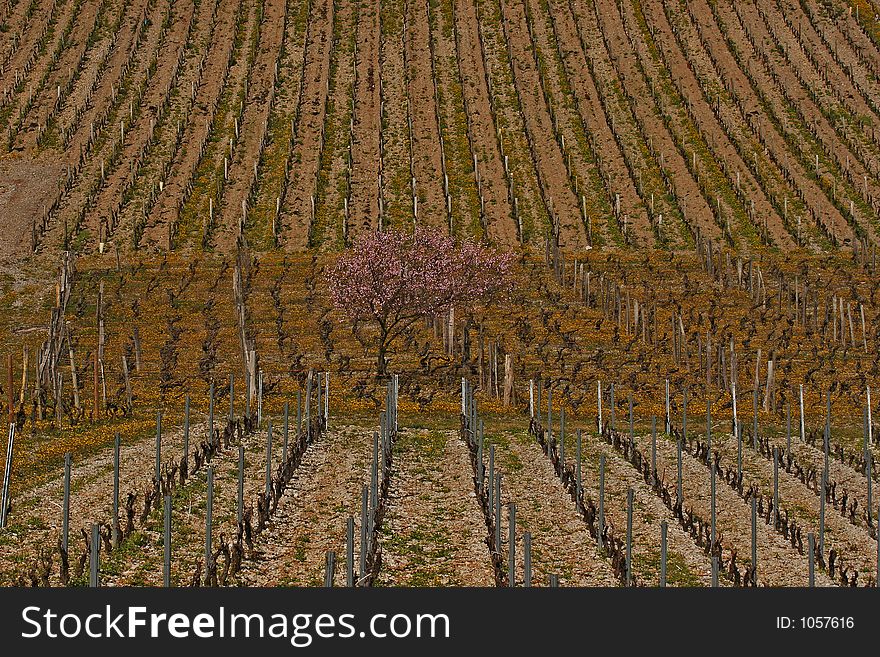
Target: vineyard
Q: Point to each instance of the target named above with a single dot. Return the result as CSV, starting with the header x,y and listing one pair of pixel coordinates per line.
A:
x,y
675,390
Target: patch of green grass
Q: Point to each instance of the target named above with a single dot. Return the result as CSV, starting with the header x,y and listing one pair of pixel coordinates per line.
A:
x,y
427,550
128,549
299,548
429,445
647,569
506,457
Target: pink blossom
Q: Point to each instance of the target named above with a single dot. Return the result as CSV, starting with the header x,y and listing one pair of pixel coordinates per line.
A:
x,y
393,278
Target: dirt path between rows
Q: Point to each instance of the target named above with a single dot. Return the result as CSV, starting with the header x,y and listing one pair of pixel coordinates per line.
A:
x,y
29,30
687,564
737,80
367,125
792,92
198,126
296,206
778,563
105,208
715,135
549,162
36,519
688,195
254,124
311,518
609,156
490,164
851,543
433,533
81,23
427,165
561,542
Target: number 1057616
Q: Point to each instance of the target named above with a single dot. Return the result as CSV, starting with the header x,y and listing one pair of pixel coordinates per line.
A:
x,y
815,622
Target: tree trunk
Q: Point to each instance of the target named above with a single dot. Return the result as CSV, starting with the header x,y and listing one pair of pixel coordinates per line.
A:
x,y
382,361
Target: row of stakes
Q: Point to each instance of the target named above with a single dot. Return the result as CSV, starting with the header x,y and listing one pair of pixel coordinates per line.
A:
x,y
370,497
372,502
495,480
535,407
469,411
489,484
322,399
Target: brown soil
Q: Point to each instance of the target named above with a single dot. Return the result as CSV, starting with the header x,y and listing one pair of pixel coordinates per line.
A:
x,y
254,123
689,197
427,166
609,156
490,163
365,147
296,205
330,204
72,51
794,93
774,141
109,201
26,187
714,134
29,31
198,126
550,164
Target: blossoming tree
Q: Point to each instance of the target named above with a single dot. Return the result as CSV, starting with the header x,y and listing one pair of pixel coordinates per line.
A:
x,y
392,279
